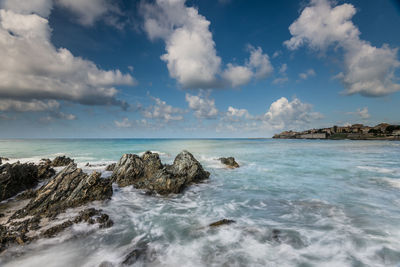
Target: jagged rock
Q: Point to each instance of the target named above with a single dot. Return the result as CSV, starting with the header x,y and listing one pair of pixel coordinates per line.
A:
x,y
27,194
3,158
53,231
110,167
147,172
230,162
45,171
221,222
138,253
17,177
61,161
69,188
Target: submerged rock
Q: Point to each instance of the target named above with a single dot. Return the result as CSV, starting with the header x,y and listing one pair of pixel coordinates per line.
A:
x,y
61,161
17,177
230,162
136,254
221,222
69,188
147,172
110,167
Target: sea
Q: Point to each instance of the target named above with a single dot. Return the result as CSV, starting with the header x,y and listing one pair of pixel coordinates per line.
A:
x,y
294,203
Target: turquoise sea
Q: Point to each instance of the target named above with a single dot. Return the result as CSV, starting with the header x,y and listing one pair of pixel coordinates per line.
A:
x,y
295,203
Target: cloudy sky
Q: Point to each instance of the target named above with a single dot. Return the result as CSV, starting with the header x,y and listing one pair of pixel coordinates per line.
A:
x,y
175,68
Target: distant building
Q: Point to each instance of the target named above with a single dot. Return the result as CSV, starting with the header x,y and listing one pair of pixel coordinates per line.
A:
x,y
313,136
396,132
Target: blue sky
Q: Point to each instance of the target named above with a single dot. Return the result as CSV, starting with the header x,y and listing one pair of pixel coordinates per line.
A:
x,y
174,68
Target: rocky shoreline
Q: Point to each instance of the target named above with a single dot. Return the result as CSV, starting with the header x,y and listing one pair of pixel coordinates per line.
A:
x,y
34,197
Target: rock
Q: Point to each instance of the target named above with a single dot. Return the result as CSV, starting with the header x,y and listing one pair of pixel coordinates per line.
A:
x,y
147,172
45,171
230,162
221,222
275,234
3,158
61,161
53,231
17,177
135,255
69,188
110,167
106,264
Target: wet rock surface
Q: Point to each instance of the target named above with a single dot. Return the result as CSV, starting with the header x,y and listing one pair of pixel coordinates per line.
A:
x,y
229,162
147,172
17,177
110,167
69,188
221,222
61,161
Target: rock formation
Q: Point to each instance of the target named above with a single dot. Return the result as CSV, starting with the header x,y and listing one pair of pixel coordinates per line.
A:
x,y
69,188
17,177
147,172
230,162
61,161
110,167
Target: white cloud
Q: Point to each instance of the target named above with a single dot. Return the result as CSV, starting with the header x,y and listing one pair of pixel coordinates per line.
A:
x,y
191,55
90,11
31,67
40,7
284,113
280,80
307,74
161,111
237,114
369,70
237,75
124,123
202,105
363,113
32,105
283,68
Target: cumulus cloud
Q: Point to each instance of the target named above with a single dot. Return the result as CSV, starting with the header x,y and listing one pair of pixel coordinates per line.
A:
x,y
162,111
363,113
284,113
124,123
237,114
368,70
32,105
90,11
32,68
202,105
40,7
305,75
191,55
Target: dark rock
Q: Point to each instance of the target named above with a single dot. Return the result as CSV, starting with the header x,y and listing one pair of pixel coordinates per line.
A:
x,y
61,161
87,164
147,172
110,167
106,264
45,171
221,222
17,177
30,193
53,231
230,162
69,188
2,158
275,234
136,254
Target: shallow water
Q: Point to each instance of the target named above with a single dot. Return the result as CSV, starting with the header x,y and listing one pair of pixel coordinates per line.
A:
x,y
335,203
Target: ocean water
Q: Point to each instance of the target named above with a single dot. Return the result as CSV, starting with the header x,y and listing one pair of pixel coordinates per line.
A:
x,y
295,203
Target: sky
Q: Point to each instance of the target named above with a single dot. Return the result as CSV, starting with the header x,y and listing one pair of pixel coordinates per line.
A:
x,y
195,69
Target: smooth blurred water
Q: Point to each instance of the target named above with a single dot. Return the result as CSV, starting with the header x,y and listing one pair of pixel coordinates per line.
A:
x,y
335,203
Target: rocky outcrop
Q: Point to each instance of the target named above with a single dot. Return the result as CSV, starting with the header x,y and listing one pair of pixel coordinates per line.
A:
x,y
61,161
45,171
229,162
69,188
17,177
3,159
221,222
147,172
110,167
